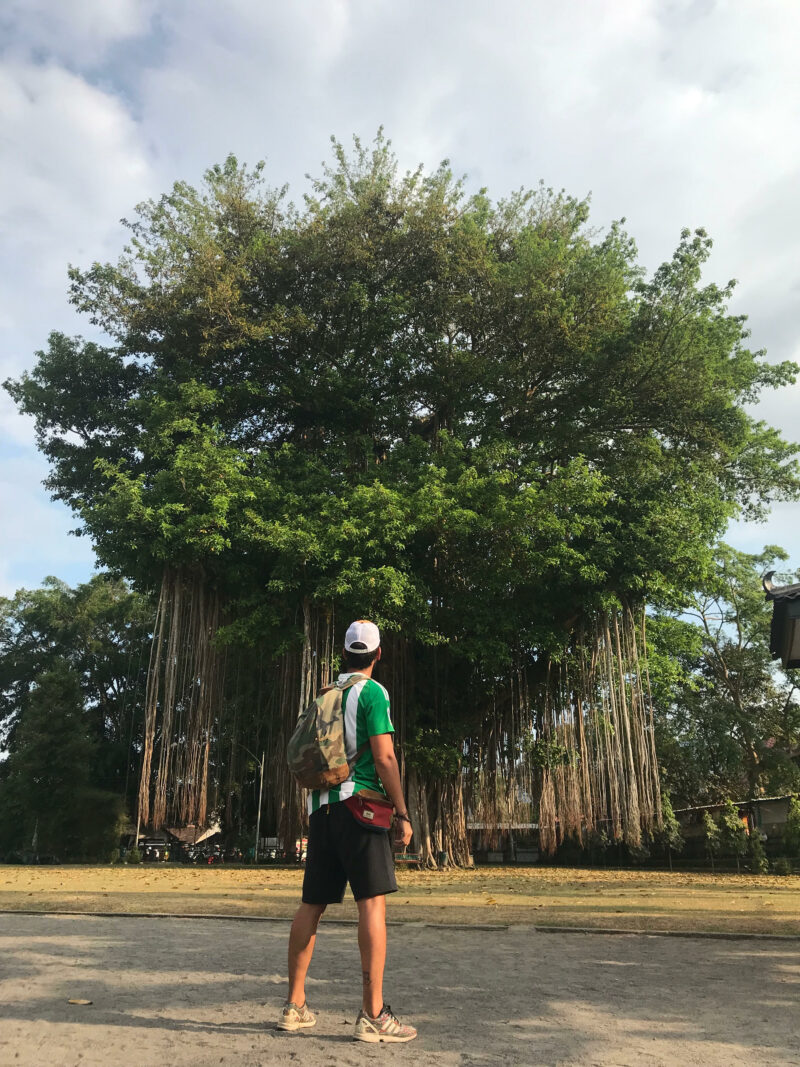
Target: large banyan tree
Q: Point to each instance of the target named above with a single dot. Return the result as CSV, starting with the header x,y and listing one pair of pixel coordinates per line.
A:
x,y
478,423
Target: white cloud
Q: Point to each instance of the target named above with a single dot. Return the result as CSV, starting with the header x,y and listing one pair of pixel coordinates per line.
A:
x,y
78,160
78,165
674,114
15,429
77,31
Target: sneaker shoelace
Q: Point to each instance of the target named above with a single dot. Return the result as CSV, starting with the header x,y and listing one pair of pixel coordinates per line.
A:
x,y
388,1015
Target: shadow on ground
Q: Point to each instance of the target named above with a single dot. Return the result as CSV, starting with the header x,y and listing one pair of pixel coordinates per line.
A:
x,y
188,991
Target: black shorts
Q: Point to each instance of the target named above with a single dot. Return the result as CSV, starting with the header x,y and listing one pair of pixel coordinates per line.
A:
x,y
341,851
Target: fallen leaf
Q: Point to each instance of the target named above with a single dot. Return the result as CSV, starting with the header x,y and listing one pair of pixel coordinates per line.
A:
x,y
78,1000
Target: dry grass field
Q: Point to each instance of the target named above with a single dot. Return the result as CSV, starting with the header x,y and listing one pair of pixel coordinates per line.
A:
x,y
629,900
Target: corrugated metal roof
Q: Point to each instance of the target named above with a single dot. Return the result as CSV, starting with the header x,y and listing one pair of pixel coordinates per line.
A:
x,y
736,803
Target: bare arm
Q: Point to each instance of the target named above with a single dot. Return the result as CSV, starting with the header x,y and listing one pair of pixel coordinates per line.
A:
x,y
382,747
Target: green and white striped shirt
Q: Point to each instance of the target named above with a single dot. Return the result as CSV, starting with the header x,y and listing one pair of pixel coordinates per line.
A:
x,y
366,713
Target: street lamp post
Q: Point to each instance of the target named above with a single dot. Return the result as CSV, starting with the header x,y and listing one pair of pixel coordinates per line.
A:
x,y
260,763
260,795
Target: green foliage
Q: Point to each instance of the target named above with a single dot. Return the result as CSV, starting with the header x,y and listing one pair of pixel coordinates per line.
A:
x,y
791,831
133,856
46,793
435,754
546,752
782,866
728,720
639,853
711,836
597,846
101,630
501,399
733,834
757,857
669,837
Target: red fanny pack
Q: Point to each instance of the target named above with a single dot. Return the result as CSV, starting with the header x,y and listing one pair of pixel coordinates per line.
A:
x,y
369,812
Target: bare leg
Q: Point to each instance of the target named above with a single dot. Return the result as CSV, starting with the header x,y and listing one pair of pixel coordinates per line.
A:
x,y
301,948
372,943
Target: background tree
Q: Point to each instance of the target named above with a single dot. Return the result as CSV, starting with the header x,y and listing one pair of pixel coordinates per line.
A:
x,y
47,801
101,630
728,718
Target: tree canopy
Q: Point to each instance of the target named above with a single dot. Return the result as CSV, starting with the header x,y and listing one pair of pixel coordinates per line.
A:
x,y
397,374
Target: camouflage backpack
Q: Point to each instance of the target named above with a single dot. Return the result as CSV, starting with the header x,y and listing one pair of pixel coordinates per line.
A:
x,y
316,751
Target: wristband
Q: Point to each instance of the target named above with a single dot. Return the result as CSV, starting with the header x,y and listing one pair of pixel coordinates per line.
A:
x,y
405,818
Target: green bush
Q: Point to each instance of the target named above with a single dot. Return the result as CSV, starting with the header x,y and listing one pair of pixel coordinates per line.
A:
x,y
134,856
756,853
670,836
782,866
113,856
639,853
732,832
711,837
791,832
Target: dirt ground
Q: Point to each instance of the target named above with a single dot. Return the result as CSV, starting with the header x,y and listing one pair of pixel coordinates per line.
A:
x,y
630,900
201,992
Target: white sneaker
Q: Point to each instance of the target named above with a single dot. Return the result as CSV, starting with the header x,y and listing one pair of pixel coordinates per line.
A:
x,y
295,1018
387,1027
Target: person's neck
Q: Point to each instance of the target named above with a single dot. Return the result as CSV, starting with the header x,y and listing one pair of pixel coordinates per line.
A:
x,y
366,671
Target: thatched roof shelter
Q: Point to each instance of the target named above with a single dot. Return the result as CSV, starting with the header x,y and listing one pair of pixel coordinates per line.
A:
x,y
191,834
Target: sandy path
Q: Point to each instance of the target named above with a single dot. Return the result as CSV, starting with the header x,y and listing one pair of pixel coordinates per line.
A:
x,y
171,991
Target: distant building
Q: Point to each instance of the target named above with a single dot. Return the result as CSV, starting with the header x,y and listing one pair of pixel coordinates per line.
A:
x,y
784,643
516,842
766,814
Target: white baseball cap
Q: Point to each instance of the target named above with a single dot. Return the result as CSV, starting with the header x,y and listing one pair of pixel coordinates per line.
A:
x,y
362,636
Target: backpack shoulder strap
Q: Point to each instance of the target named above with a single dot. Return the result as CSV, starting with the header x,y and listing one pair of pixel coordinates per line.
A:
x,y
352,681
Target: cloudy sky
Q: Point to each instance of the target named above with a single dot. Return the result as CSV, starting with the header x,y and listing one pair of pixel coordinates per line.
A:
x,y
672,114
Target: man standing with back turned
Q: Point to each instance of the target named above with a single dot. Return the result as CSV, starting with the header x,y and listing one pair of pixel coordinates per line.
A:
x,y
341,850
